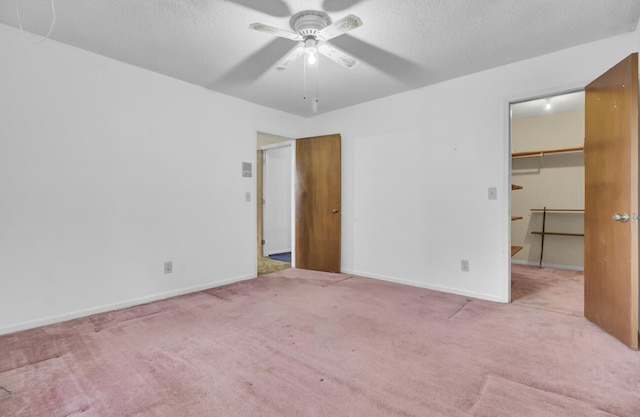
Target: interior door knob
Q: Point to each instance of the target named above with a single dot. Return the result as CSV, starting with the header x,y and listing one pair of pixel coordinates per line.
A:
x,y
624,217
335,210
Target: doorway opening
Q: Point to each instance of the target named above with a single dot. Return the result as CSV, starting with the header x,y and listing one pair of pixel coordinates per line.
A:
x,y
274,161
547,202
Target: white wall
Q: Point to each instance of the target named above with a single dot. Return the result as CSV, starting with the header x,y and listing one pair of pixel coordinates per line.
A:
x,y
417,166
107,171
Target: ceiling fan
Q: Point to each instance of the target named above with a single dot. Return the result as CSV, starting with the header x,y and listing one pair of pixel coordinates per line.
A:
x,y
312,29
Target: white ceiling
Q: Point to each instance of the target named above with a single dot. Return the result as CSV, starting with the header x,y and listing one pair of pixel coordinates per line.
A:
x,y
401,45
556,104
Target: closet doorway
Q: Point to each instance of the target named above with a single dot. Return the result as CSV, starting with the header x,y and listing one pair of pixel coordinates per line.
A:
x,y
547,202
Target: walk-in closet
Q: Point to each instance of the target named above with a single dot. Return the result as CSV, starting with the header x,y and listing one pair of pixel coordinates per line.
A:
x,y
547,174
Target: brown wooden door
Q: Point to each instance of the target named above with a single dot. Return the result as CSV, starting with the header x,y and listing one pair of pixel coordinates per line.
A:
x,y
611,186
318,197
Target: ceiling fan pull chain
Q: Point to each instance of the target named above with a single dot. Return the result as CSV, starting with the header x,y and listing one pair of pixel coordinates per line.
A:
x,y
53,20
304,79
314,105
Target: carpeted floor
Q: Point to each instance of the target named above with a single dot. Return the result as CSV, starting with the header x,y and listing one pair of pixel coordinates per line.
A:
x,y
558,290
303,343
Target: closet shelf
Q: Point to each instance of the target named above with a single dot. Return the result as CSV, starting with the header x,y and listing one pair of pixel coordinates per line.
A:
x,y
542,152
516,249
544,232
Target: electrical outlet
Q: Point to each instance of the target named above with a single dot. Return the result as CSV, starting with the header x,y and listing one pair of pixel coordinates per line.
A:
x,y
464,265
168,267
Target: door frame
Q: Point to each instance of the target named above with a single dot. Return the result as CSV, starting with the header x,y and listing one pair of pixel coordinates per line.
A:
x,y
257,192
536,95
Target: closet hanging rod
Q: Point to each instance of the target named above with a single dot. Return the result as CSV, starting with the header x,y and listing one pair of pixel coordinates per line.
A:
x,y
557,210
534,154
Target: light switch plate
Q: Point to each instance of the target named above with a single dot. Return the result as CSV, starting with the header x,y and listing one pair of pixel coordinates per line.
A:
x,y
493,193
464,265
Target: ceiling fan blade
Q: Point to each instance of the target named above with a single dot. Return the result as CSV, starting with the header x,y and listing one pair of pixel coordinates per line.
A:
x,y
339,27
399,68
253,66
295,53
337,55
261,27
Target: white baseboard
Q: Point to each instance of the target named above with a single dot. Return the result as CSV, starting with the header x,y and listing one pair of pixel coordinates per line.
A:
x,y
116,306
545,265
419,284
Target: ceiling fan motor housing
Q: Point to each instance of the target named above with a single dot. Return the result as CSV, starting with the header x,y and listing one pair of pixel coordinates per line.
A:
x,y
309,22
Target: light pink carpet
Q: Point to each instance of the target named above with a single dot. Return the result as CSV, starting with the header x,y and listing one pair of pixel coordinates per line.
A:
x,y
302,343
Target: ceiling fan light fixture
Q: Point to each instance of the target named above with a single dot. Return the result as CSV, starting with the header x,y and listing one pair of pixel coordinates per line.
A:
x,y
311,50
312,57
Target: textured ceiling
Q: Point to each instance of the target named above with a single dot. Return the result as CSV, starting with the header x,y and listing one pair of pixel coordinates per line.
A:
x,y
548,105
402,44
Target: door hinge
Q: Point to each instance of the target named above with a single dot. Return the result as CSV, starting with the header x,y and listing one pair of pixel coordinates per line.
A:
x,y
263,241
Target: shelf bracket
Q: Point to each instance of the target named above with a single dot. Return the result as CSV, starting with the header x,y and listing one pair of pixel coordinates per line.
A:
x,y
544,220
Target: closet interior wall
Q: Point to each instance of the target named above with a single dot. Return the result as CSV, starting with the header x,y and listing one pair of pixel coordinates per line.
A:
x,y
554,181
